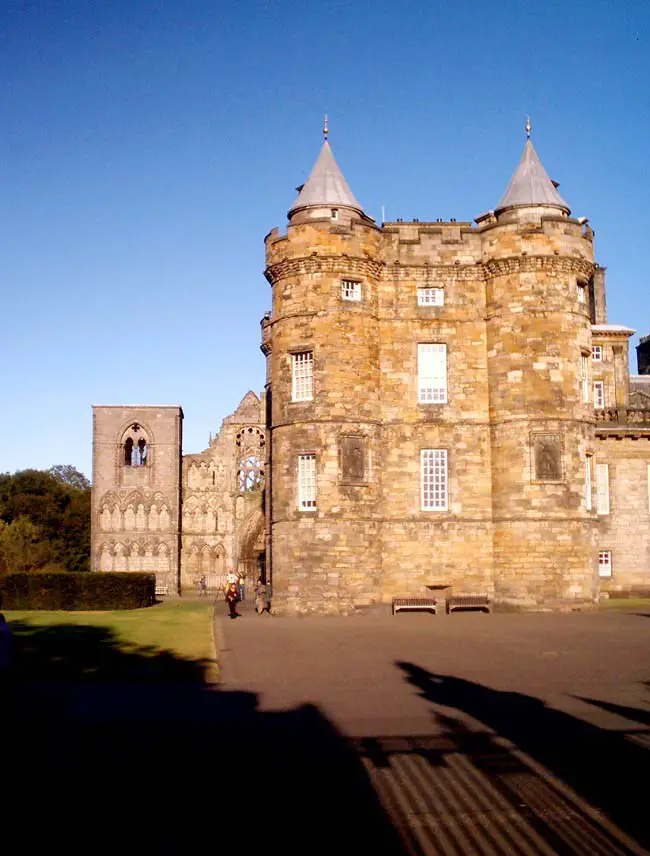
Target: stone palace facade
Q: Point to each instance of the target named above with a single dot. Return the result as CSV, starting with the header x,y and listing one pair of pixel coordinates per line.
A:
x,y
446,406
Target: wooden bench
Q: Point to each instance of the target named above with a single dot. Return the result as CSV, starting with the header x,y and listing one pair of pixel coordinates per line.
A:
x,y
469,601
400,603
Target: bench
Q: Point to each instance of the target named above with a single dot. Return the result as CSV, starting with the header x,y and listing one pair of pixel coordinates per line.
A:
x,y
469,601
400,603
160,589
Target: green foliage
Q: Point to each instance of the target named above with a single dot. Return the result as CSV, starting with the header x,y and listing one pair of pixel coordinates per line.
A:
x,y
73,591
22,547
67,474
46,521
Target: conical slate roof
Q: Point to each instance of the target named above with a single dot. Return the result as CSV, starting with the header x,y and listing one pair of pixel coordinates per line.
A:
x,y
326,185
530,185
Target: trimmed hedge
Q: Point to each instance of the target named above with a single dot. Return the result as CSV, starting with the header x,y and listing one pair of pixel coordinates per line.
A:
x,y
73,590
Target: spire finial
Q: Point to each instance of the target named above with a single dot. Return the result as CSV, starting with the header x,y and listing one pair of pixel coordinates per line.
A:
x,y
529,127
326,127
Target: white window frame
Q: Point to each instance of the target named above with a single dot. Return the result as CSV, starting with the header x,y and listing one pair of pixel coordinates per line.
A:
x,y
581,291
599,394
597,353
589,503
430,295
302,376
432,373
584,377
602,488
307,483
434,480
604,563
351,290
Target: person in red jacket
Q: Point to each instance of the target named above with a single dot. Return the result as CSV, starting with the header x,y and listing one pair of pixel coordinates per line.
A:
x,y
231,599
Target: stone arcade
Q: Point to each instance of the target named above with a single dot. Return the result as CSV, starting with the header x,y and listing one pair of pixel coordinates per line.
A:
x,y
446,404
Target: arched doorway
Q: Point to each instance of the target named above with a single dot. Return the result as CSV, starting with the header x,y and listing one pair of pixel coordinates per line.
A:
x,y
252,542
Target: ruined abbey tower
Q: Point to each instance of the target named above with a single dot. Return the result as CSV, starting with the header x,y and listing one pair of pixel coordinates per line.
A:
x,y
446,407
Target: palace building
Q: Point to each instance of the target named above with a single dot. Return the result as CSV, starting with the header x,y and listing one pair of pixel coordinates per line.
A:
x,y
446,405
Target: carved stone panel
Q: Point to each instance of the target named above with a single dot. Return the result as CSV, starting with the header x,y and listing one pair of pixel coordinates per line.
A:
x,y
353,459
547,465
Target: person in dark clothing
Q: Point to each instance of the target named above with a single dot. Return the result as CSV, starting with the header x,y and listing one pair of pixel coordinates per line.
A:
x,y
231,599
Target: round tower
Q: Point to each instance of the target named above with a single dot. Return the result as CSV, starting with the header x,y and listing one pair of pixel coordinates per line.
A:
x,y
538,264
321,343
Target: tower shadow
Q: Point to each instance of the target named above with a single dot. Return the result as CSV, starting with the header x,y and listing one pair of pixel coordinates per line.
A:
x,y
602,767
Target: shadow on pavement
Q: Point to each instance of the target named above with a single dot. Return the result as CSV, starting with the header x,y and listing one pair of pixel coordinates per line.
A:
x,y
105,749
523,796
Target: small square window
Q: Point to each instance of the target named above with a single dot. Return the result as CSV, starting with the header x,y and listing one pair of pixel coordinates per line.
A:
x,y
350,290
597,353
605,563
429,296
582,293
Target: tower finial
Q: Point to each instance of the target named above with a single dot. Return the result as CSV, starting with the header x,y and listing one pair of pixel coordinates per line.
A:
x,y
529,127
326,127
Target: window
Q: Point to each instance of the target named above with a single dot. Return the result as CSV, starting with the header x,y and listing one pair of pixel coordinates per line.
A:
x,y
599,394
604,563
428,296
582,293
602,488
302,376
432,374
433,479
350,290
307,482
335,214
251,473
588,499
597,353
584,377
135,447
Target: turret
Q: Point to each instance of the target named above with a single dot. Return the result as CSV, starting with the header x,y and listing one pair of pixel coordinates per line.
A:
x,y
322,347
538,264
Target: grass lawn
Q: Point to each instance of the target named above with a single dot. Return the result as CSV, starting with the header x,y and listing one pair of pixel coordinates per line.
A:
x,y
172,640
625,603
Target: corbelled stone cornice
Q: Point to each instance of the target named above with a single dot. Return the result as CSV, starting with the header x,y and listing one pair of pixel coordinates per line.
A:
x,y
338,263
531,264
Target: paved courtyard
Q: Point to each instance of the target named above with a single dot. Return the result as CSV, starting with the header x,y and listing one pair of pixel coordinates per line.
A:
x,y
493,734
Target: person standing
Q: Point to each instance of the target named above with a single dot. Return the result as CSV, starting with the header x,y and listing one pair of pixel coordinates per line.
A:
x,y
203,586
241,587
231,599
260,597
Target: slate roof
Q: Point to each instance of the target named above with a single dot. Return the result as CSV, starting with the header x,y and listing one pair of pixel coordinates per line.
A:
x,y
326,185
530,185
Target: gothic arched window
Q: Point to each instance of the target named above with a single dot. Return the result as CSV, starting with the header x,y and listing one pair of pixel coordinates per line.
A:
x,y
135,446
251,473
250,444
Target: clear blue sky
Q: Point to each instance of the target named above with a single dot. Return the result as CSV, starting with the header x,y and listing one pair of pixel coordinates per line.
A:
x,y
146,148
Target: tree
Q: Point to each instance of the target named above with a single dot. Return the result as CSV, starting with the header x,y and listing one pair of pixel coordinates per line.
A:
x,y
22,546
67,474
58,514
